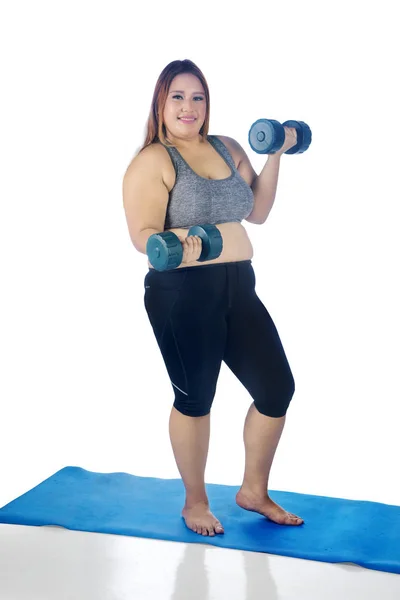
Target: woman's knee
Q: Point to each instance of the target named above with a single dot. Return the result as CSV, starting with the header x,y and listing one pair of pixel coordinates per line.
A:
x,y
274,401
192,406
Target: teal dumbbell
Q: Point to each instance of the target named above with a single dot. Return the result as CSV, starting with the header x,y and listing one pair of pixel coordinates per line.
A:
x,y
165,251
267,136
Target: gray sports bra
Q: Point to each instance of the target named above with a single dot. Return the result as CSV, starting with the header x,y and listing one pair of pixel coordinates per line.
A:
x,y
195,200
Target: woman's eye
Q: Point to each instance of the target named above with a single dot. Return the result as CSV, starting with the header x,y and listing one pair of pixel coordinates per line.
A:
x,y
196,97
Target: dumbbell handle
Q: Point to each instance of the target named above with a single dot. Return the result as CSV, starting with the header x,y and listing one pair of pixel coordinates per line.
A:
x,y
211,238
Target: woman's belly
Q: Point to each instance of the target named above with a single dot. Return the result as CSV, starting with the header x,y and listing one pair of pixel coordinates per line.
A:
x,y
236,245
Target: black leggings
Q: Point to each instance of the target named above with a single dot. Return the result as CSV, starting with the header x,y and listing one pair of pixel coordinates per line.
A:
x,y
207,314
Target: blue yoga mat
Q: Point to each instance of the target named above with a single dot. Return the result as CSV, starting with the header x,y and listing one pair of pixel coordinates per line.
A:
x,y
335,530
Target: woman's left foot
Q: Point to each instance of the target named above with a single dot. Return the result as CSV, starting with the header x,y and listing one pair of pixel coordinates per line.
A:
x,y
266,507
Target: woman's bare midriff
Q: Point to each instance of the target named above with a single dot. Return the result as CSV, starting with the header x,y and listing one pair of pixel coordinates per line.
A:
x,y
236,245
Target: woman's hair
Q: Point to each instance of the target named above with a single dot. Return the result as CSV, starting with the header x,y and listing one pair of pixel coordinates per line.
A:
x,y
156,131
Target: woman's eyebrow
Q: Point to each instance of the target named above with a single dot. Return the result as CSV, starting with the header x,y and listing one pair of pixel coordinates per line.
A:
x,y
182,92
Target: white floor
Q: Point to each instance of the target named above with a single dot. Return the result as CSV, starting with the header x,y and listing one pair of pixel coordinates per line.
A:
x,y
50,563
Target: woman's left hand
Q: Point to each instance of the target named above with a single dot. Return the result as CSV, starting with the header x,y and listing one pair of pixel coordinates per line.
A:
x,y
290,140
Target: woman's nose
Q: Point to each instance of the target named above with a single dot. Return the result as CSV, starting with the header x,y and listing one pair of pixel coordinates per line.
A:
x,y
187,103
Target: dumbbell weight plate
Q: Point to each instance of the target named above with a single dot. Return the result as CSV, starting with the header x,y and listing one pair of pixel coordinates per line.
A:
x,y
303,136
211,239
266,136
164,251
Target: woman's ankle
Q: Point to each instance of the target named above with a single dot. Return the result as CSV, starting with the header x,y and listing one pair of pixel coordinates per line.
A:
x,y
193,498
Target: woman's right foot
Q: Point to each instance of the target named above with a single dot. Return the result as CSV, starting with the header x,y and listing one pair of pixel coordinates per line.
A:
x,y
200,519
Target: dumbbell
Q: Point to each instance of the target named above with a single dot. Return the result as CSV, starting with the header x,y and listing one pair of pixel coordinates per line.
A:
x,y
165,251
267,136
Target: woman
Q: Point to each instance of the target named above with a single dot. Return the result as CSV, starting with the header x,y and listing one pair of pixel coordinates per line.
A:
x,y
206,312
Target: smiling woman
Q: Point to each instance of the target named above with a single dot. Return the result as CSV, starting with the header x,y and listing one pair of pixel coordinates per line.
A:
x,y
205,312
188,105
168,97
179,149
198,97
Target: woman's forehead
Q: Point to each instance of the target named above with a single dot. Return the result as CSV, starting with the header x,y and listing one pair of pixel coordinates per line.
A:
x,y
188,82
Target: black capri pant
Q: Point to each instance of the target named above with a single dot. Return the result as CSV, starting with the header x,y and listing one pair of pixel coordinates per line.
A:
x,y
207,314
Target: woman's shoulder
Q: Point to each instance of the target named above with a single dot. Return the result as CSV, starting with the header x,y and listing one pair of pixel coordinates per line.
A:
x,y
154,154
159,159
155,149
150,160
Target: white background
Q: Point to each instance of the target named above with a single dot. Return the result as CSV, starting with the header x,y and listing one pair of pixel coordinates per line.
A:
x,y
82,380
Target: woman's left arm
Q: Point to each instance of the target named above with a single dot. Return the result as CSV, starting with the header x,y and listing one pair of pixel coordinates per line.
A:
x,y
265,184
264,188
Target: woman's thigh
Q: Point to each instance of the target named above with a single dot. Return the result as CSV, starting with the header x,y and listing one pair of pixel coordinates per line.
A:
x,y
254,351
186,310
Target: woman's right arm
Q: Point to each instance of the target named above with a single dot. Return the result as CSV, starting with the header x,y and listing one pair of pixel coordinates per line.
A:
x,y
145,197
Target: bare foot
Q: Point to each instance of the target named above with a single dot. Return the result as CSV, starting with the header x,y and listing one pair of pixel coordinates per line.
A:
x,y
266,507
200,520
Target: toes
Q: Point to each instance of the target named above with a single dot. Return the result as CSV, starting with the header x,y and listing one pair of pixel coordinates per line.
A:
x,y
199,529
211,532
217,528
206,530
295,518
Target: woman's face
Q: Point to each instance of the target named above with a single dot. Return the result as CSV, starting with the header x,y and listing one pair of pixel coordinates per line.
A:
x,y
185,108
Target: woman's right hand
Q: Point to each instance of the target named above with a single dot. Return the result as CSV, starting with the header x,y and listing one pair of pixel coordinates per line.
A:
x,y
192,247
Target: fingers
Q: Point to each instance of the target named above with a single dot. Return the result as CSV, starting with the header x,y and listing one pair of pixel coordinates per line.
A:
x,y
195,240
192,247
291,131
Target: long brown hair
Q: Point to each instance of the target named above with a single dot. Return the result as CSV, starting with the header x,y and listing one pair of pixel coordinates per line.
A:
x,y
156,131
